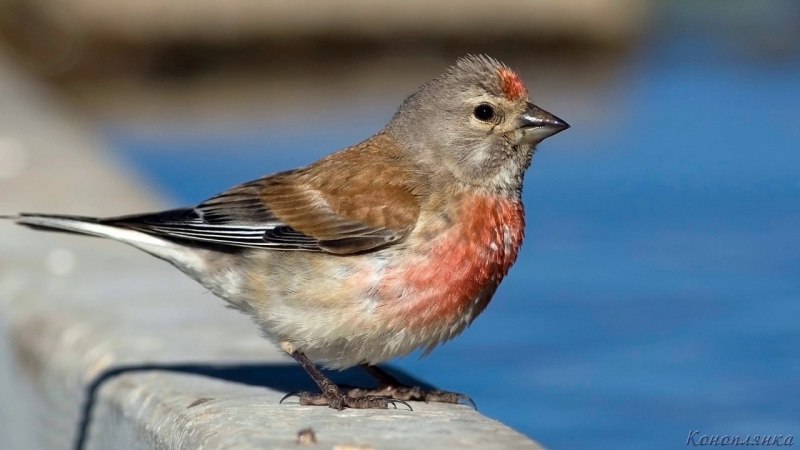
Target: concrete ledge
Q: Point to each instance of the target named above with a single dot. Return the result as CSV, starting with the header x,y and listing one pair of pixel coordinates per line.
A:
x,y
198,412
104,347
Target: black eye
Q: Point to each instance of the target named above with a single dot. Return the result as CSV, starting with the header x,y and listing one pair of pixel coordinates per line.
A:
x,y
484,112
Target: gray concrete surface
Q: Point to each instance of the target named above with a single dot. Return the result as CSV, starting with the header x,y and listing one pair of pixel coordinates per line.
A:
x,y
108,347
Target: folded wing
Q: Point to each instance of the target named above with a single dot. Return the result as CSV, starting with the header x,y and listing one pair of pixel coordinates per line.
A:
x,y
292,211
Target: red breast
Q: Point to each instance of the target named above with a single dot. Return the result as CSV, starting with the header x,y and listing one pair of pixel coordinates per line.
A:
x,y
447,281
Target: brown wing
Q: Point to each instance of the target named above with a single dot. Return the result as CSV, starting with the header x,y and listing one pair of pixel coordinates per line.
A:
x,y
351,202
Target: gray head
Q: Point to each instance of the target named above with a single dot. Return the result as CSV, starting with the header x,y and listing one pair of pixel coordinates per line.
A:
x,y
476,122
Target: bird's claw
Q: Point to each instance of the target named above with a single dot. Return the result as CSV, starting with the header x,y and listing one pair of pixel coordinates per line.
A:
x,y
449,397
340,401
395,401
414,393
290,394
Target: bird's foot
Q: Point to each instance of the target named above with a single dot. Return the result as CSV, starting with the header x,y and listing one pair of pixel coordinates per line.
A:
x,y
337,400
412,393
331,393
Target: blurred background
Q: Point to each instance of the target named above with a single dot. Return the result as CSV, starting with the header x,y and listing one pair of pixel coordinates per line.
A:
x,y
658,290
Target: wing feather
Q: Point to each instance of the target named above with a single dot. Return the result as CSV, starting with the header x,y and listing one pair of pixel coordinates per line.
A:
x,y
336,205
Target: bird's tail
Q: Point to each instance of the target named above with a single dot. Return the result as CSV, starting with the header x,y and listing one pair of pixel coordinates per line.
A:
x,y
90,226
193,260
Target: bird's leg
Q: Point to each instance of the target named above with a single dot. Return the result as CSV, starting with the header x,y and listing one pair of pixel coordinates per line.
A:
x,y
389,386
331,394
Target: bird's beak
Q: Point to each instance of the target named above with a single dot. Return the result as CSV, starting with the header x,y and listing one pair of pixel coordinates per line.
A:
x,y
537,124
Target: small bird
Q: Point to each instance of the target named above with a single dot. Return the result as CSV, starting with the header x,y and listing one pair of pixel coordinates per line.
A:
x,y
391,245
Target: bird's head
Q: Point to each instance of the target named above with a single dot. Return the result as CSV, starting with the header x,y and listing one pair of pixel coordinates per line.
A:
x,y
476,122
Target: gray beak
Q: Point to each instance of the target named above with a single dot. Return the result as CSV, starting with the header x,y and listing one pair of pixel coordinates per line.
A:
x,y
537,124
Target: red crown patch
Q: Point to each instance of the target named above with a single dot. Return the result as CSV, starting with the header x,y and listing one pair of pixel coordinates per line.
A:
x,y
513,88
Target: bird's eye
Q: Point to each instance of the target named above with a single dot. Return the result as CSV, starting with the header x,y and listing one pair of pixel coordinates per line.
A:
x,y
484,112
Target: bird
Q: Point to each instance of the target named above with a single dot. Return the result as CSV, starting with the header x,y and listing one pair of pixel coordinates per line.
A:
x,y
392,245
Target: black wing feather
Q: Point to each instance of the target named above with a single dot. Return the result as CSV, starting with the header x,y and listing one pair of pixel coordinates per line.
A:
x,y
192,224
239,217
